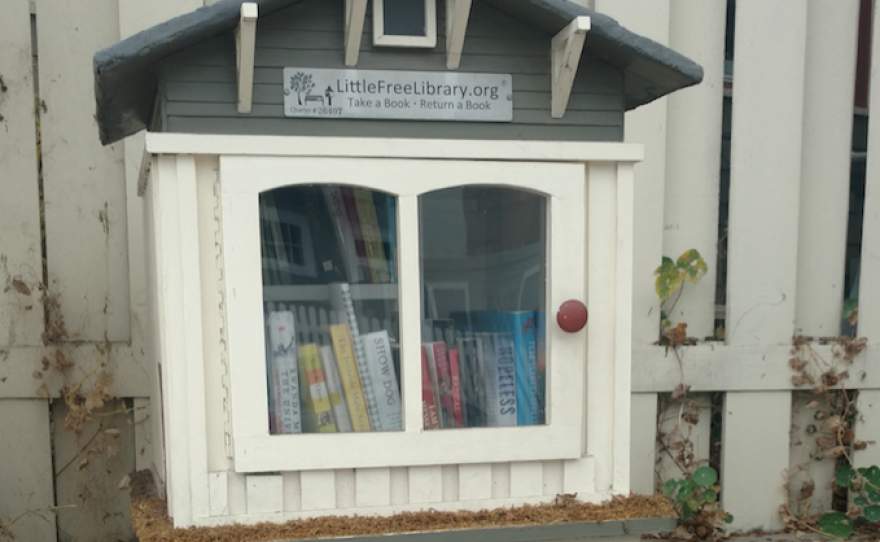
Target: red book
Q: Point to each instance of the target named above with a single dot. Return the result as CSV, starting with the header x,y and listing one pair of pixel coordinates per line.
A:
x,y
444,385
429,405
456,386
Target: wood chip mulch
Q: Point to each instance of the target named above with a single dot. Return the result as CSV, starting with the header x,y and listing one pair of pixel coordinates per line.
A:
x,y
151,523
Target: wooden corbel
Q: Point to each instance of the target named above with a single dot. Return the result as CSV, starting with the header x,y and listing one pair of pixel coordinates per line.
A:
x,y
245,45
457,14
566,49
355,12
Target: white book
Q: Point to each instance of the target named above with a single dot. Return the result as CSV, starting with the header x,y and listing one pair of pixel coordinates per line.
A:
x,y
499,362
377,347
340,299
282,351
342,228
334,386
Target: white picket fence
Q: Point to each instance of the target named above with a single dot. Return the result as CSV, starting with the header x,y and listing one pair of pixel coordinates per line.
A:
x,y
792,116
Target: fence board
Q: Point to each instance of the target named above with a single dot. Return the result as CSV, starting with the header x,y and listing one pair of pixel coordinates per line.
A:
x,y
318,489
695,437
832,31
21,316
803,469
693,156
643,438
84,190
754,455
765,171
26,469
526,479
646,125
425,484
102,511
373,487
264,493
475,481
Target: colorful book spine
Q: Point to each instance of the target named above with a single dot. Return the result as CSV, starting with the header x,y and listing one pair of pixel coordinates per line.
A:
x,y
456,387
318,398
334,388
372,236
391,225
351,382
444,385
336,207
377,347
500,380
282,349
340,299
430,419
541,364
521,327
356,232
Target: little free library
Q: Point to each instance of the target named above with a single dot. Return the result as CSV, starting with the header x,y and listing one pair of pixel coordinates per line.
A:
x,y
375,231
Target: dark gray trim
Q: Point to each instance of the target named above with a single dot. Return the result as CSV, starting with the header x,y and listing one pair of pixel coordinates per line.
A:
x,y
125,78
530,533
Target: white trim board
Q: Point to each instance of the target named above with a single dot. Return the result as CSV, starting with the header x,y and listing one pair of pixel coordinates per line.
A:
x,y
539,151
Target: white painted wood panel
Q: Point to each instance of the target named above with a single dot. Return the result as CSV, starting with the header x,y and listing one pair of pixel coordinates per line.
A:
x,y
554,475
346,490
84,188
145,457
804,469
26,469
693,155
580,476
21,316
399,485
500,480
450,481
373,487
218,493
829,84
868,428
869,286
237,494
318,489
425,484
695,438
643,431
475,481
264,494
646,125
752,475
292,491
765,172
526,479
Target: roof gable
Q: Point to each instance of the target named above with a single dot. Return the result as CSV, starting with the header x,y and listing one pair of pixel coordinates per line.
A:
x,y
125,79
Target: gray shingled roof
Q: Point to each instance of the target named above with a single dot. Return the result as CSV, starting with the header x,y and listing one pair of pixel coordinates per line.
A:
x,y
125,78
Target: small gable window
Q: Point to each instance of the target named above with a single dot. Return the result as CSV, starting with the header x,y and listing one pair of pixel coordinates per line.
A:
x,y
405,23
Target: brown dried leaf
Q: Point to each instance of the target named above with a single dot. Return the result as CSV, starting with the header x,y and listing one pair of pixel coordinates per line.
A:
x,y
61,361
680,391
37,374
811,405
21,287
113,432
834,423
45,363
798,380
682,533
835,452
807,490
83,464
43,391
97,451
859,445
797,364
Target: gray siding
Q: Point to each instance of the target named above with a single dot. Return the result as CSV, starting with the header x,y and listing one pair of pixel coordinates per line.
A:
x,y
198,89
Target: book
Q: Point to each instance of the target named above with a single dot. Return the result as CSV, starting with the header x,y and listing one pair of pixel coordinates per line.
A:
x,y
317,410
351,382
521,327
283,363
377,347
328,252
334,388
386,213
470,350
438,362
456,387
354,224
430,419
335,202
541,364
371,235
341,301
500,367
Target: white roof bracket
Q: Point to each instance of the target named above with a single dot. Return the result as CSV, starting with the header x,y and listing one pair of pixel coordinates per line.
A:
x,y
566,49
457,14
355,13
245,45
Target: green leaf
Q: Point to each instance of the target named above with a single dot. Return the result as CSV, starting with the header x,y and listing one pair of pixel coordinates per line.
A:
x,y
669,487
835,525
668,279
692,505
687,487
849,305
705,476
844,476
874,495
693,265
860,501
709,495
728,519
871,513
872,473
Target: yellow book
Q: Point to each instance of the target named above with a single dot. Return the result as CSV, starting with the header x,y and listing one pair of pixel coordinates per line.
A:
x,y
317,409
351,382
369,222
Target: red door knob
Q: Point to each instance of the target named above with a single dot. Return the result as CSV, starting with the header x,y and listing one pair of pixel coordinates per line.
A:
x,y
572,316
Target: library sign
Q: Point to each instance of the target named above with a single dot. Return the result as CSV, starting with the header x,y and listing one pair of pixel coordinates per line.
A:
x,y
372,94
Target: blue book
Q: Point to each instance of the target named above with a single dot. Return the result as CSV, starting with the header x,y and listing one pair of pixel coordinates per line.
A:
x,y
521,326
